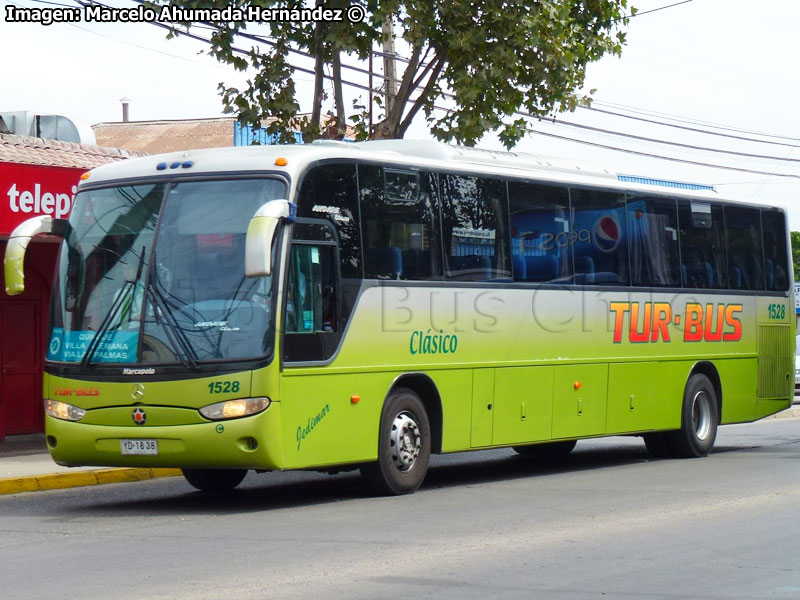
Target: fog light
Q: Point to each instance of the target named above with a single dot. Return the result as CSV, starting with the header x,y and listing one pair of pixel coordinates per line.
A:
x,y
233,409
63,411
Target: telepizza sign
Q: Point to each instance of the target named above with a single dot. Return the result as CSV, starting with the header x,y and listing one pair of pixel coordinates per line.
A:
x,y
30,190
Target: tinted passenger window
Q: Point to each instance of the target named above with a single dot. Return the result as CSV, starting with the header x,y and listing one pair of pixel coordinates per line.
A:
x,y
539,232
400,224
702,245
653,242
743,241
330,192
597,231
474,228
776,262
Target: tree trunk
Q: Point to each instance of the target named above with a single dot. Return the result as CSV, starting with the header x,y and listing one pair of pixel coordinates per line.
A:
x,y
338,96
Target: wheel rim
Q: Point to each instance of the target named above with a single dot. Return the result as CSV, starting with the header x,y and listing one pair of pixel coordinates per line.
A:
x,y
405,442
701,415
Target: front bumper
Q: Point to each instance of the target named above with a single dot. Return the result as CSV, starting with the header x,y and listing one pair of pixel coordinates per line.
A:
x,y
247,443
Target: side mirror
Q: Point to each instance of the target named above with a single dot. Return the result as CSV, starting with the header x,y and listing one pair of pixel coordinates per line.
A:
x,y
14,261
261,233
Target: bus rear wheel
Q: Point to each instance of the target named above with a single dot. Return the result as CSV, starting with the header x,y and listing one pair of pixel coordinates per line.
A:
x,y
548,450
214,480
404,446
699,419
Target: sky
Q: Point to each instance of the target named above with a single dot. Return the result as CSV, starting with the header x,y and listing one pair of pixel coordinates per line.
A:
x,y
727,66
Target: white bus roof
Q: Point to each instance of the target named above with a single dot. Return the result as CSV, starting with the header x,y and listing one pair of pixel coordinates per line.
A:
x,y
420,153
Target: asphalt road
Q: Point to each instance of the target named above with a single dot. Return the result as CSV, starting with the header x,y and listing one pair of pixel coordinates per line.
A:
x,y
607,522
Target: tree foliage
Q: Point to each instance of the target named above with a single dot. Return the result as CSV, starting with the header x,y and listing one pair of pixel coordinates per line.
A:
x,y
480,61
795,236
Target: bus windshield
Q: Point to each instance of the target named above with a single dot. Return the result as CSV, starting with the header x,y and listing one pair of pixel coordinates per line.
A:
x,y
154,274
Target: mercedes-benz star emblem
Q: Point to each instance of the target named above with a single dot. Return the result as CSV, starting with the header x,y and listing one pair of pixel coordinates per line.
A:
x,y
137,391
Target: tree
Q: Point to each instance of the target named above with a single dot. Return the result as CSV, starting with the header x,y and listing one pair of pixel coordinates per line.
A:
x,y
795,236
481,61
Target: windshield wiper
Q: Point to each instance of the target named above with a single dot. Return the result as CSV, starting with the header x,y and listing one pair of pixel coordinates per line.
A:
x,y
103,329
116,305
174,332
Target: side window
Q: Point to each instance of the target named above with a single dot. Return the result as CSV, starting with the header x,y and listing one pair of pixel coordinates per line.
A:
x,y
539,232
330,192
702,244
310,316
653,242
776,261
598,229
400,224
474,228
743,242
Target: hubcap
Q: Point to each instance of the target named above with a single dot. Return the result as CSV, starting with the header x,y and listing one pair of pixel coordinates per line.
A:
x,y
405,441
701,415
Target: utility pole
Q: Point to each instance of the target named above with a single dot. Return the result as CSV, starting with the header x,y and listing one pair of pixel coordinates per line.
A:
x,y
389,73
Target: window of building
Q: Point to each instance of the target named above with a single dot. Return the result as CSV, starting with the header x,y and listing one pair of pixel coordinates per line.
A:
x,y
539,232
474,228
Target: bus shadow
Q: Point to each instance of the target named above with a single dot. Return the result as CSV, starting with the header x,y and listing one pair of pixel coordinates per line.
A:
x,y
275,491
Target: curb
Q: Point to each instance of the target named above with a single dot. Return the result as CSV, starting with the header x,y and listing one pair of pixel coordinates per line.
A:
x,y
57,481
789,413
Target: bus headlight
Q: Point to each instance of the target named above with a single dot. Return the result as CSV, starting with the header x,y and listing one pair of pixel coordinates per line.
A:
x,y
62,410
232,409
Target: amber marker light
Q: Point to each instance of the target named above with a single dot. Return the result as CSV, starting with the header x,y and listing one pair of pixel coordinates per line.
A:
x,y
281,161
577,385
355,399
85,176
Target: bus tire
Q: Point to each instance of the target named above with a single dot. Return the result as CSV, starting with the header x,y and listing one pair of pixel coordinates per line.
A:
x,y
699,419
404,446
548,450
214,480
657,444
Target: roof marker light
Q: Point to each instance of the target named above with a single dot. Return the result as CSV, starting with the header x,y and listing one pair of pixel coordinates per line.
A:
x,y
186,164
161,166
175,165
281,161
85,176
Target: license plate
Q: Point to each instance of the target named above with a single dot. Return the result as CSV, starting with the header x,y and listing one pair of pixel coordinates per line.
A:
x,y
138,446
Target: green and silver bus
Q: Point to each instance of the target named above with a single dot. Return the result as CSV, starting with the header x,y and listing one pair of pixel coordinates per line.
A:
x,y
333,306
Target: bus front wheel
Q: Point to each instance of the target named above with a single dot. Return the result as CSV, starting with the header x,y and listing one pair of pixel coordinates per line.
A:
x,y
214,480
404,446
699,419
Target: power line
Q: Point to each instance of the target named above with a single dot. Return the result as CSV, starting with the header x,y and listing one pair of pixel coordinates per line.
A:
x,y
698,130
669,143
680,119
662,157
552,135
647,12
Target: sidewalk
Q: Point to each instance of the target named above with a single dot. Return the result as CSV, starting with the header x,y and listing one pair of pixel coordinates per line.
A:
x,y
26,466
